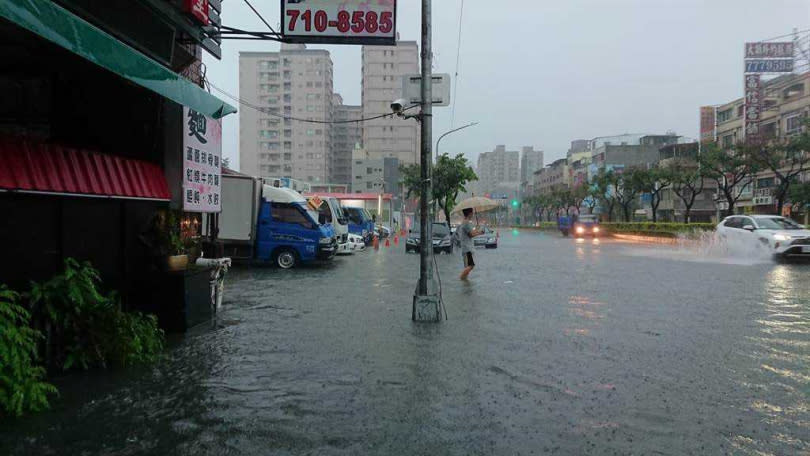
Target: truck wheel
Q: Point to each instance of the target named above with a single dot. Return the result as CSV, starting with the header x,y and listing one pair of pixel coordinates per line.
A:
x,y
286,258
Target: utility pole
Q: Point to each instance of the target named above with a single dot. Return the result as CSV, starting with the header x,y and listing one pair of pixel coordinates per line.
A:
x,y
426,300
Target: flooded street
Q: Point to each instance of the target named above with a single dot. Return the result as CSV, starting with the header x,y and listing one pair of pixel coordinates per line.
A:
x,y
555,346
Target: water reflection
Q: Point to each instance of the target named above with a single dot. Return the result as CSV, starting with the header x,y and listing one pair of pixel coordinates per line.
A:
x,y
779,386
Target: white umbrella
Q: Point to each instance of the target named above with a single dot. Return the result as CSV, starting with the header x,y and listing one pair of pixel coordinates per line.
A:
x,y
476,203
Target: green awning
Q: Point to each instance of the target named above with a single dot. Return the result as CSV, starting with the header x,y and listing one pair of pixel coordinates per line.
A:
x,y
69,31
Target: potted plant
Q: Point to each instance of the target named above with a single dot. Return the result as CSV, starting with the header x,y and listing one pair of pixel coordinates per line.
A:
x,y
178,257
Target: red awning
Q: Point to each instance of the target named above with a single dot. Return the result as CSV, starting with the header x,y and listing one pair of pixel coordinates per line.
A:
x,y
49,168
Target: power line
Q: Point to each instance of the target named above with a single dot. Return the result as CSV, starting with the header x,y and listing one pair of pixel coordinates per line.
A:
x,y
458,56
261,17
785,36
297,119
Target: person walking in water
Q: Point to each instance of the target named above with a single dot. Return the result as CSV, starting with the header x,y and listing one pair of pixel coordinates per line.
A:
x,y
466,233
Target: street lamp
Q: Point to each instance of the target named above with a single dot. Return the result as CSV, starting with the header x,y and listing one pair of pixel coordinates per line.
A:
x,y
447,133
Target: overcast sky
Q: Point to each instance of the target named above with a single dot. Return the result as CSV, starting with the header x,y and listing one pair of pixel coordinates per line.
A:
x,y
543,73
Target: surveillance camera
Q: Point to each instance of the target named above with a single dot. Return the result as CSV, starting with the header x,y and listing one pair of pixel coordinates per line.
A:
x,y
398,105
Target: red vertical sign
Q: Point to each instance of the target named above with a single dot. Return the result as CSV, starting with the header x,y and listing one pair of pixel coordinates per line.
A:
x,y
706,124
198,9
753,105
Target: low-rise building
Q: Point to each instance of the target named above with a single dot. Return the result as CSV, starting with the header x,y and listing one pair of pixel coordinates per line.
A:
x,y
553,177
786,104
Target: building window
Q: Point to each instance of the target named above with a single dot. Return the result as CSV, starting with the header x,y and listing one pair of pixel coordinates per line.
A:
x,y
368,185
723,116
793,91
769,130
793,124
310,132
728,141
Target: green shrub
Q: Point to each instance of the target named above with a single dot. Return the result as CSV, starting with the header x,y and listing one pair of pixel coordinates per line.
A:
x,y
88,328
21,386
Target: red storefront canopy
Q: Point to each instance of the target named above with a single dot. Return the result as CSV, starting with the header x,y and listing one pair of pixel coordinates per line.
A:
x,y
50,168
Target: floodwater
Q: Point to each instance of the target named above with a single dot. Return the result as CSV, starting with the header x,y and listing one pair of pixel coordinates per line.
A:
x,y
556,346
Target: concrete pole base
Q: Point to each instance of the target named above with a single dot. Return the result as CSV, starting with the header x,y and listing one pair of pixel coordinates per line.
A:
x,y
426,308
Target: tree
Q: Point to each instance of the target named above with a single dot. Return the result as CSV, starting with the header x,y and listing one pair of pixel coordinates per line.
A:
x,y
732,169
450,175
578,195
593,196
687,184
410,179
605,183
800,196
629,183
654,181
787,160
449,179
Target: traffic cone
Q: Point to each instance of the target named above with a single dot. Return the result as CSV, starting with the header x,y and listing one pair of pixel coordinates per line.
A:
x,y
387,243
376,243
396,240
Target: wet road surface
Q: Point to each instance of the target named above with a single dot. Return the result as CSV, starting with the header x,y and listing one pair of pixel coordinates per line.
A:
x,y
556,346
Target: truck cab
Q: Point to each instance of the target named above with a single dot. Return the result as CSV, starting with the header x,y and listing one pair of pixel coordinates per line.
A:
x,y
288,230
329,211
360,222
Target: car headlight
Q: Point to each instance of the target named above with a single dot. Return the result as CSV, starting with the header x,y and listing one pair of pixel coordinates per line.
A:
x,y
325,241
596,229
446,242
411,241
490,240
580,229
781,237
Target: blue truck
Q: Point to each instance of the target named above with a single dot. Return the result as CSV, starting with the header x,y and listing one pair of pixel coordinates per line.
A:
x,y
265,224
360,223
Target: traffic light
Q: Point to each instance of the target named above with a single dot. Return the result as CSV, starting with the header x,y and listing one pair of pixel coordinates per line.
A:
x,y
515,203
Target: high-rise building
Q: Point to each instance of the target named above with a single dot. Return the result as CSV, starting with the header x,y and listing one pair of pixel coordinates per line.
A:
x,y
530,161
497,168
294,82
346,137
383,69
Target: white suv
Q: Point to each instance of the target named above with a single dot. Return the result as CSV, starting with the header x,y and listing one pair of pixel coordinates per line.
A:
x,y
781,235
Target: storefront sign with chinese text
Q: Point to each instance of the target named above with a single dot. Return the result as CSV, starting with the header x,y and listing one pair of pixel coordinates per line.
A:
x,y
769,50
753,105
198,9
339,21
707,123
202,162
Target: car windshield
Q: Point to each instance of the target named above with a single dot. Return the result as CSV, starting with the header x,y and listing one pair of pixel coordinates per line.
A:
x,y
587,218
777,223
338,209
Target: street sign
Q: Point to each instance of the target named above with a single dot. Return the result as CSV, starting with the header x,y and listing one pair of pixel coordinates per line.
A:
x,y
770,50
412,89
202,172
339,22
769,65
